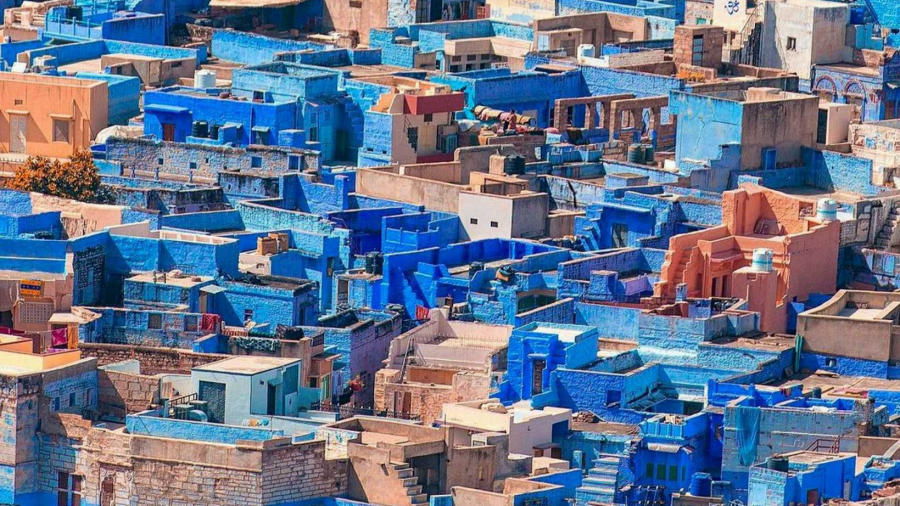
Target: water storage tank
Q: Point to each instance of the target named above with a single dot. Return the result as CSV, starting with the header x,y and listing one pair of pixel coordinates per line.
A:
x,y
204,79
826,210
199,129
586,51
636,153
701,485
762,260
514,165
778,463
649,154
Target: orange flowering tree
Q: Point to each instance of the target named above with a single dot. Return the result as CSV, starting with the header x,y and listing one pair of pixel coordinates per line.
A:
x,y
76,179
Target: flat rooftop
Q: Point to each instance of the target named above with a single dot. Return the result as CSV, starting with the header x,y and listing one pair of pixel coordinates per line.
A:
x,y
247,365
182,281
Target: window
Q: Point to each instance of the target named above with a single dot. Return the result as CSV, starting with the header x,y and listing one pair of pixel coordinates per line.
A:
x,y
255,162
71,399
313,382
68,489
190,323
791,44
619,235
176,64
649,472
486,57
154,321
537,376
473,221
660,472
293,162
454,68
673,473
613,397
159,161
192,165
455,58
494,224
471,57
248,315
259,95
60,130
429,118
412,136
56,404
19,101
697,51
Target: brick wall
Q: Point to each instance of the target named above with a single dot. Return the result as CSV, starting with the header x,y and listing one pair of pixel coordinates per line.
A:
x,y
296,472
426,400
122,393
153,360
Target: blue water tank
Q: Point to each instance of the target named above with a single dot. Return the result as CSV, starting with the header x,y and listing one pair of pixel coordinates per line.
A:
x,y
701,485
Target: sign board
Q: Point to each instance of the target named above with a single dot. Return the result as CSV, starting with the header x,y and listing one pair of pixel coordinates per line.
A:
x,y
30,288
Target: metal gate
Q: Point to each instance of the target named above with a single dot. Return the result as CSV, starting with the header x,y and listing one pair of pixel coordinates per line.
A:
x,y
214,395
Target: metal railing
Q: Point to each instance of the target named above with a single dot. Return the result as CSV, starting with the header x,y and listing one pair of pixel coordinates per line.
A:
x,y
344,411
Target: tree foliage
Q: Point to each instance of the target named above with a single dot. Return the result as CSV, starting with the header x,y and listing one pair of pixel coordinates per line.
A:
x,y
77,178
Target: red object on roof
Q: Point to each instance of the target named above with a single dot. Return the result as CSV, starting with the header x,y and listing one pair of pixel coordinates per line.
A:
x,y
430,104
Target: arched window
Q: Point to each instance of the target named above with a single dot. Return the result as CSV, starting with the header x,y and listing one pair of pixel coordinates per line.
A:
x,y
855,94
826,89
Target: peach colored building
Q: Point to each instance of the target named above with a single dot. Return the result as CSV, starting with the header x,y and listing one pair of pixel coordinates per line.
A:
x,y
716,262
49,115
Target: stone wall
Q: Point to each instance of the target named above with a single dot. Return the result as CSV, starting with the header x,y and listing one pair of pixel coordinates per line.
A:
x,y
427,400
153,360
122,393
296,472
120,468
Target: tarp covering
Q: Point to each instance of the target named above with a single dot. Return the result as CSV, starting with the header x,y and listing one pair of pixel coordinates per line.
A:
x,y
747,422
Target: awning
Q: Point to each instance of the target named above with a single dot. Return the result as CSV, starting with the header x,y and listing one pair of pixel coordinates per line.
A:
x,y
668,448
212,289
260,129
892,85
171,109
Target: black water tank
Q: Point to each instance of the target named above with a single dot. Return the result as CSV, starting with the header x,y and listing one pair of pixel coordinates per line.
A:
x,y
778,463
199,129
514,165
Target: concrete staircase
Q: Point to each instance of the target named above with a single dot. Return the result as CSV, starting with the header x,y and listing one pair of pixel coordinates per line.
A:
x,y
410,482
890,232
601,483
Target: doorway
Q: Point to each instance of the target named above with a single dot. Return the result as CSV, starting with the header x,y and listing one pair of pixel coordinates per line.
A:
x,y
537,376
271,399
17,130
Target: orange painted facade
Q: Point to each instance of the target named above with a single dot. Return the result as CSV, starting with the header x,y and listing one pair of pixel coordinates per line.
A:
x,y
716,262
49,115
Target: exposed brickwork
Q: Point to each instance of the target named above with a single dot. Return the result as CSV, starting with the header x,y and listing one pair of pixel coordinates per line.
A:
x,y
153,360
713,39
122,393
